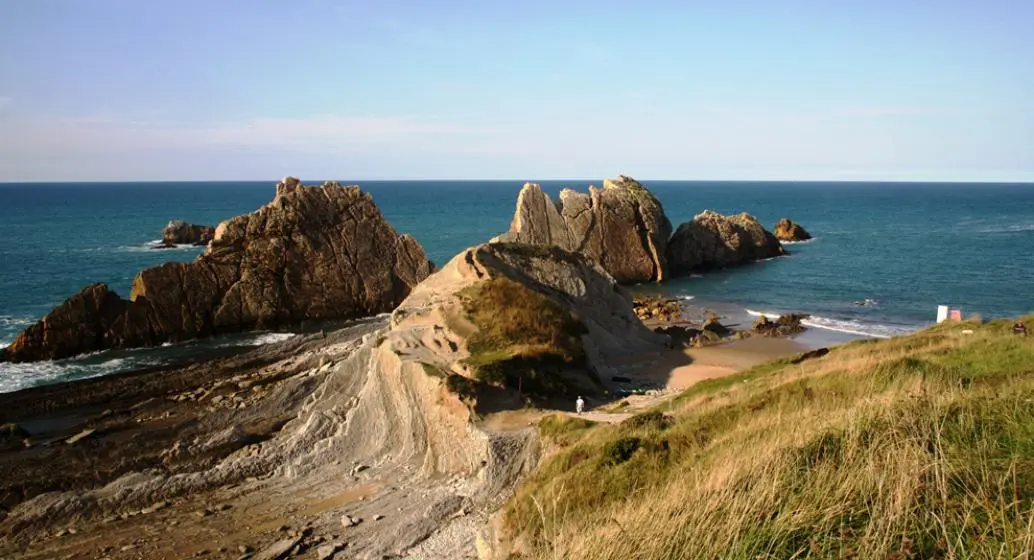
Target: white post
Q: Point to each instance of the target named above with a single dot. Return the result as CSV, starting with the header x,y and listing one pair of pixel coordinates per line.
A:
x,y
942,313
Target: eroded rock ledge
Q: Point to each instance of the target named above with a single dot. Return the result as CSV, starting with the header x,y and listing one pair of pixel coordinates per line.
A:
x,y
312,253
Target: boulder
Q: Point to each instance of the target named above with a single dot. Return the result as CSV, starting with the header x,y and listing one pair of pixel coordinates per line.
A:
x,y
622,227
312,253
12,436
711,240
787,230
181,233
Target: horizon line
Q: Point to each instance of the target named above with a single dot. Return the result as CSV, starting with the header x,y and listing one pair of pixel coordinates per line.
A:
x,y
522,181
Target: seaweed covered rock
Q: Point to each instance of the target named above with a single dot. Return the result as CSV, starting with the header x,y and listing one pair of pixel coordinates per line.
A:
x,y
622,227
711,240
322,252
785,325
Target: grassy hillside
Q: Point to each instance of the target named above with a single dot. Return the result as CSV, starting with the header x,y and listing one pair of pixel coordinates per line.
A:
x,y
915,447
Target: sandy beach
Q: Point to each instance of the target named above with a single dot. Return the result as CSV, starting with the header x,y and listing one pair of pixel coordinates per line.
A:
x,y
669,373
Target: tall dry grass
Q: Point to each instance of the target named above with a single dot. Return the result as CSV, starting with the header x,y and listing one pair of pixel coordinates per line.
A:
x,y
917,447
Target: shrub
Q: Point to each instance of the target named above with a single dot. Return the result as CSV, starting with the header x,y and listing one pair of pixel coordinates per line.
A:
x,y
620,450
653,420
523,338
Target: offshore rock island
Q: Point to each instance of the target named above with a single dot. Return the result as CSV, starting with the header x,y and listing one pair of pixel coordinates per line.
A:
x,y
312,253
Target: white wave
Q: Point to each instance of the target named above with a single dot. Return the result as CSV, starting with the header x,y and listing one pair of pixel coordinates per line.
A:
x,y
268,338
13,321
5,343
14,377
686,298
156,247
1015,228
847,326
798,242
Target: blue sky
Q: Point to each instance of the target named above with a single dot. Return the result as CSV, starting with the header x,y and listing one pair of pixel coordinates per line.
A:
x,y
233,89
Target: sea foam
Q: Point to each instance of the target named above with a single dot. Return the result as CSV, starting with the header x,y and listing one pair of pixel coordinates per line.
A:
x,y
1015,228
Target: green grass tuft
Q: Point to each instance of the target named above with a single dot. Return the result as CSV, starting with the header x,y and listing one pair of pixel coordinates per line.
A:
x,y
523,338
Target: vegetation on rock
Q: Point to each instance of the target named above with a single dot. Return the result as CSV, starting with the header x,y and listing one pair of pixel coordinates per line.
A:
x,y
523,338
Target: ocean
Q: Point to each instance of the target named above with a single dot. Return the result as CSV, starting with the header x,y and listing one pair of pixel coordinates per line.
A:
x,y
905,247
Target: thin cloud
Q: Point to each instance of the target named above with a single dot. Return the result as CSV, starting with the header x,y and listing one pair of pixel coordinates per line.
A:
x,y
894,111
323,129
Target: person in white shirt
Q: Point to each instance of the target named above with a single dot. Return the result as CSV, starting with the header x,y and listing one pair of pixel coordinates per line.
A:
x,y
579,405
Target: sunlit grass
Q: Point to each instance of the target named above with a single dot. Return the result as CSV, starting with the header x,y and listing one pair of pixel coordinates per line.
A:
x,y
914,447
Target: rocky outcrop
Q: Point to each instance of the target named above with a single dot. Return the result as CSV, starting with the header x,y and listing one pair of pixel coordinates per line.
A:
x,y
787,230
178,232
712,240
435,326
312,253
657,309
622,227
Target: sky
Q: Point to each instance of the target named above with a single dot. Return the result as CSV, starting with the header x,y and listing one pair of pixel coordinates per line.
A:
x,y
130,90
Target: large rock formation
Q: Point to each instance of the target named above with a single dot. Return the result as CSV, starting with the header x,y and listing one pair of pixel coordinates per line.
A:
x,y
178,232
621,226
312,253
712,240
787,230
540,287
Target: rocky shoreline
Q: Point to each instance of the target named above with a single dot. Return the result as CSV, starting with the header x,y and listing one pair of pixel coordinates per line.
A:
x,y
375,440
669,316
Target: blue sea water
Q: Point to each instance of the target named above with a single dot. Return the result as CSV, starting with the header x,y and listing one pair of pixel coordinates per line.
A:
x,y
906,246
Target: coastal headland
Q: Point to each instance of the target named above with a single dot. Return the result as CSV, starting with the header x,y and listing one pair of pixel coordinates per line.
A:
x,y
395,435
